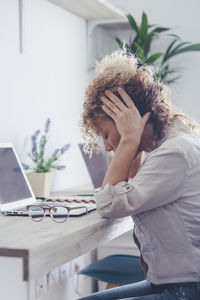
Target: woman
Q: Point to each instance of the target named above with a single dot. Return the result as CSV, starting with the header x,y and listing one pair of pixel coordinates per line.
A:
x,y
130,110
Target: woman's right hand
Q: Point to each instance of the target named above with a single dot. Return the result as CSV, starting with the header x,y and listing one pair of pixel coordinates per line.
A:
x,y
129,123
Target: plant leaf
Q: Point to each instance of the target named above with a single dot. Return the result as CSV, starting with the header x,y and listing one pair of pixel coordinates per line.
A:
x,y
194,47
172,80
132,45
160,29
120,43
174,50
174,35
148,42
168,50
180,45
153,58
133,23
139,52
143,28
151,25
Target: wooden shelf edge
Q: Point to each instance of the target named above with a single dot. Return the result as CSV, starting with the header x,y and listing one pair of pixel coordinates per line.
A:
x,y
91,9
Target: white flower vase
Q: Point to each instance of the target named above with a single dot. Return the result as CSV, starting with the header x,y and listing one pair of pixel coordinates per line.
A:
x,y
41,183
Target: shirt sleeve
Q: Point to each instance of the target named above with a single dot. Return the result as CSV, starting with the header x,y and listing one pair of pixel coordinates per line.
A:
x,y
159,181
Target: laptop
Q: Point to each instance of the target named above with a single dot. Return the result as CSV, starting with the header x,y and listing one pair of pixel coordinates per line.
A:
x,y
96,166
15,190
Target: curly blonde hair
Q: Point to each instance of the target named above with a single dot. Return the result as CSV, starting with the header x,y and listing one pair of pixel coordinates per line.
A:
x,y
148,94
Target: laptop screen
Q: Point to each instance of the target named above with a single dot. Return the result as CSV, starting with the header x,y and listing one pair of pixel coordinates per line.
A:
x,y
96,165
13,184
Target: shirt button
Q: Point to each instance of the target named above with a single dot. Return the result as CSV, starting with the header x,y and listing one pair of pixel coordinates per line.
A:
x,y
128,187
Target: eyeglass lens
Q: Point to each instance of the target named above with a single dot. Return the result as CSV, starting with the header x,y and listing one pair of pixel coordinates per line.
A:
x,y
59,214
36,213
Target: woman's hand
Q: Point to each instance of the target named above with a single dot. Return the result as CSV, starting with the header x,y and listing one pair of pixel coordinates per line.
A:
x,y
130,126
129,123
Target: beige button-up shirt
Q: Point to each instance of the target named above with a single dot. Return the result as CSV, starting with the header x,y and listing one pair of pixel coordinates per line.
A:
x,y
164,202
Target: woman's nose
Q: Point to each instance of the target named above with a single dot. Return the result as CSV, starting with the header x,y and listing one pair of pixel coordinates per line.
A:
x,y
107,146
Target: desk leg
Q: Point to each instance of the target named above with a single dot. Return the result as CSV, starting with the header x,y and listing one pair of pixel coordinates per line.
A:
x,y
94,282
12,285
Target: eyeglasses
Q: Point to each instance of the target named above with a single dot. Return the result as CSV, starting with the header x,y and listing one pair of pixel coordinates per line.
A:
x,y
58,214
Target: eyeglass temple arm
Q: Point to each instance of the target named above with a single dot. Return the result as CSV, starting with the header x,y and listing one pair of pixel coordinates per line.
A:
x,y
79,207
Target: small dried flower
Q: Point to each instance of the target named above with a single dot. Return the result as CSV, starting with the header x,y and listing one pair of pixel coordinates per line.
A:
x,y
55,153
64,148
34,143
47,126
60,167
37,155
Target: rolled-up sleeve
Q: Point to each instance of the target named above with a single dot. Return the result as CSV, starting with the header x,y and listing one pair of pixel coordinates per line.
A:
x,y
159,181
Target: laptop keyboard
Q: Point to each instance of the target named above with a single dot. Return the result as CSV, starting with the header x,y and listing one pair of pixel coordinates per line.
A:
x,y
21,209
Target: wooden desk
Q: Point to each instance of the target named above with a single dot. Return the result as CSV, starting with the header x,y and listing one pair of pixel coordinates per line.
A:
x,y
45,245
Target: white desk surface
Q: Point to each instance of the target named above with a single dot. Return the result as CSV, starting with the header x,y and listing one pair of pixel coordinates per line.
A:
x,y
45,245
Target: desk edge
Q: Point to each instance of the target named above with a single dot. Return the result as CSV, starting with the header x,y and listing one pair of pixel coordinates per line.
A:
x,y
23,253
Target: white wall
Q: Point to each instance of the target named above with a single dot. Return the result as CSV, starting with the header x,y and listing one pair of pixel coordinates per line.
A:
x,y
183,16
47,80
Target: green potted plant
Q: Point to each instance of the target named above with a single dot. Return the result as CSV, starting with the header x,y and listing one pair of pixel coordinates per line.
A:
x,y
40,173
140,45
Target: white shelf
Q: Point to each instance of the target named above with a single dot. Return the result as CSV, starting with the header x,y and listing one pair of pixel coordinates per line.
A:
x,y
101,34
91,9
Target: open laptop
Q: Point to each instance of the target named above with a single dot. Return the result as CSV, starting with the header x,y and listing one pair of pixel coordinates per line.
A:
x,y
15,190
96,166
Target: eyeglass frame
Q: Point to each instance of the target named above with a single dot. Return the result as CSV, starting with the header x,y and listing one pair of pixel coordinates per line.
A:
x,y
46,207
